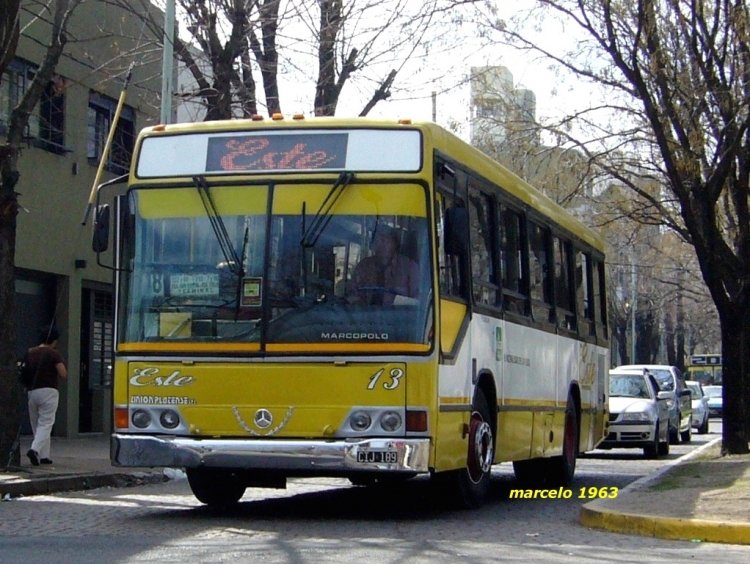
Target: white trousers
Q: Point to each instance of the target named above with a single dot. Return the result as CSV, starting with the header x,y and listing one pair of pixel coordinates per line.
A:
x,y
42,411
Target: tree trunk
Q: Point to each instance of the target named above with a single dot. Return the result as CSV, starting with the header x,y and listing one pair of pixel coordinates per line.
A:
x,y
10,391
669,338
735,351
680,344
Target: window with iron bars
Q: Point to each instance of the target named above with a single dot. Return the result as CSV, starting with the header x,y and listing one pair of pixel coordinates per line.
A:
x,y
46,126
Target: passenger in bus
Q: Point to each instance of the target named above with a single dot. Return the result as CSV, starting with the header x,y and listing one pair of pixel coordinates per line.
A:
x,y
380,278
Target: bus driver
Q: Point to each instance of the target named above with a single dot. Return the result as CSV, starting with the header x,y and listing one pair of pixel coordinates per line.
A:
x,y
379,278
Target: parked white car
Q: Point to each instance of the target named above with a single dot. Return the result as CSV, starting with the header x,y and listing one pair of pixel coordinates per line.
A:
x,y
715,402
638,413
670,380
700,406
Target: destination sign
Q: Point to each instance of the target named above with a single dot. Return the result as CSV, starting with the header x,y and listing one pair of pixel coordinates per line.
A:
x,y
276,152
280,151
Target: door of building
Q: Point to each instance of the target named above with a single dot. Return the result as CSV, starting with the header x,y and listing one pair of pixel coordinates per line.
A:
x,y
96,360
35,308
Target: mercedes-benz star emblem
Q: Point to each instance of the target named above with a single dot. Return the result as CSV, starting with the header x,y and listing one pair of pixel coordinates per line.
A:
x,y
263,418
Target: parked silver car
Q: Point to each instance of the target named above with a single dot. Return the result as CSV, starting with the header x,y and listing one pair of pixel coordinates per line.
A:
x,y
715,401
670,380
700,406
638,413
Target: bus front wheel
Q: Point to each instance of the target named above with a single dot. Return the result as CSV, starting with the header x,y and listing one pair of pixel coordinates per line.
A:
x,y
215,486
471,484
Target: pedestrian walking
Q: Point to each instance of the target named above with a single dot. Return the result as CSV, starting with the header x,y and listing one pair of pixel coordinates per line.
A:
x,y
48,368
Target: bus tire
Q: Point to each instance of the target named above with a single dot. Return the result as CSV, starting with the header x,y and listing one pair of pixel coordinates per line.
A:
x,y
532,473
562,468
372,480
470,485
215,486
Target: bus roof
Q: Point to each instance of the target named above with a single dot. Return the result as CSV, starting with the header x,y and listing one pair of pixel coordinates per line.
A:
x,y
436,137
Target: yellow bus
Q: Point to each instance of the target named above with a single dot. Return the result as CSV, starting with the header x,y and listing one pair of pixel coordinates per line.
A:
x,y
375,300
705,368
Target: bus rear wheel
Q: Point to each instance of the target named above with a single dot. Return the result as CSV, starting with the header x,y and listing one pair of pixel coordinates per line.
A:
x,y
215,486
562,468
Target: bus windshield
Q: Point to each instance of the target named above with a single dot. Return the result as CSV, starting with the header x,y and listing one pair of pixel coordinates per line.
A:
x,y
277,264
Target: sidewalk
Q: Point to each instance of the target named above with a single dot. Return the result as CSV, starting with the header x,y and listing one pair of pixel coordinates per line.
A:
x,y
79,464
702,496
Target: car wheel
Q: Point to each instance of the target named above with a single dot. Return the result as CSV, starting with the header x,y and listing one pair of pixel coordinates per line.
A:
x,y
686,435
703,429
652,450
664,448
674,435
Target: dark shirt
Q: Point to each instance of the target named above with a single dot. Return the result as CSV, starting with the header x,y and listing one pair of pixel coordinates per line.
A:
x,y
42,362
400,276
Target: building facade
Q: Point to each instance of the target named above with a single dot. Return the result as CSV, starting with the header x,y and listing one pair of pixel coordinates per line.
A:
x,y
58,279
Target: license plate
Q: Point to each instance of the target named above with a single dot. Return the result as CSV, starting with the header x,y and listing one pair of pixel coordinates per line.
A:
x,y
377,456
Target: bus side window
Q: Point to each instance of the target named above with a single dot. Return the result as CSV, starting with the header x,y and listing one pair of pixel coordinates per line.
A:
x,y
512,261
484,286
452,274
584,292
600,299
564,297
540,273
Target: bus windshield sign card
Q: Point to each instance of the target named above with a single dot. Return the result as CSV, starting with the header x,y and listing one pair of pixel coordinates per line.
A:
x,y
276,152
251,292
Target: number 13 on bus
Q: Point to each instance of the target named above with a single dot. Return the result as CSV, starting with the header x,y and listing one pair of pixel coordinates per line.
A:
x,y
347,297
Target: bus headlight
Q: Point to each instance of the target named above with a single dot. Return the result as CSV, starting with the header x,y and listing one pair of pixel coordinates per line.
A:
x,y
141,418
360,421
390,421
169,419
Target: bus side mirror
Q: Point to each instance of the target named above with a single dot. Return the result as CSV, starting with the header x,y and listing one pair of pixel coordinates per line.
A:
x,y
456,224
100,239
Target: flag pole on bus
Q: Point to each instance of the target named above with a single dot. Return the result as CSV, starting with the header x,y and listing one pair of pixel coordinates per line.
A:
x,y
107,145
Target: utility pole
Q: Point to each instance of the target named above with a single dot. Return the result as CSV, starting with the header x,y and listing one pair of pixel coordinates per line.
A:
x,y
167,65
634,300
434,106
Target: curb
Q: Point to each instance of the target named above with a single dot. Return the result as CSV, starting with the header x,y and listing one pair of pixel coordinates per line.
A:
x,y
77,482
665,527
596,515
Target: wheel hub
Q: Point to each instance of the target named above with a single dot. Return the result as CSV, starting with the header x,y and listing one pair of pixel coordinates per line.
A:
x,y
481,449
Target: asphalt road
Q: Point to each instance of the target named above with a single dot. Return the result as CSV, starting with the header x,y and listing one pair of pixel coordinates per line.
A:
x,y
327,520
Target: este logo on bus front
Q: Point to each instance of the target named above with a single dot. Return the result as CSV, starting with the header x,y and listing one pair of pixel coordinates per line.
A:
x,y
151,377
276,152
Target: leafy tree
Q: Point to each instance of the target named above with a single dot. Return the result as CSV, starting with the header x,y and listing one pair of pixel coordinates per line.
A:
x,y
676,113
58,12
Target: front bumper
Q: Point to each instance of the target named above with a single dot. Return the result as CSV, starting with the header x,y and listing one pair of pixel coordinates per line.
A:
x,y
629,435
309,457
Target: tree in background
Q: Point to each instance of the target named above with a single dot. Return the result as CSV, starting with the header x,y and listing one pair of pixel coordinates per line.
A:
x,y
57,13
676,113
241,54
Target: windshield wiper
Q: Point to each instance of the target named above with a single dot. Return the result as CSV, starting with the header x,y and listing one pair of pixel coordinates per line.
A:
x,y
323,215
234,263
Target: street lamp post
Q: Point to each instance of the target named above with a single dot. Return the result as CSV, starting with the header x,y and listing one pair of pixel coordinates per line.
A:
x,y
167,63
634,303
